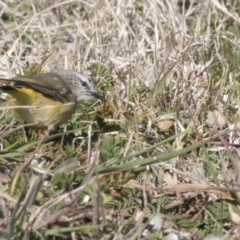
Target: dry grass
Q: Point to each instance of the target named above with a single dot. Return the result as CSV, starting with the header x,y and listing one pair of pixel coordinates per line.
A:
x,y
163,147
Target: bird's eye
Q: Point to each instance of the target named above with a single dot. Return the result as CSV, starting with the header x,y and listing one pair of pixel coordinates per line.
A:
x,y
84,84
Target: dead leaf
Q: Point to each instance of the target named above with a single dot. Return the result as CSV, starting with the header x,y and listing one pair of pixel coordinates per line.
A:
x,y
165,125
170,179
216,118
234,212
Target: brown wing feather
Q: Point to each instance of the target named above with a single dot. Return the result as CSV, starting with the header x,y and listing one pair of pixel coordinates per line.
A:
x,y
50,84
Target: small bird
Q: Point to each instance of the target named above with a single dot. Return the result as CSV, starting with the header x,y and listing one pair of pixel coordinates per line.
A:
x,y
49,99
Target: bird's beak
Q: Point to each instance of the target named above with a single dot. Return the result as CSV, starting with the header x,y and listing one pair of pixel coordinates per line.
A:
x,y
96,95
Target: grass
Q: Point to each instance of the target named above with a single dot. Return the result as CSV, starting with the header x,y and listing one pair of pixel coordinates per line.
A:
x,y
161,156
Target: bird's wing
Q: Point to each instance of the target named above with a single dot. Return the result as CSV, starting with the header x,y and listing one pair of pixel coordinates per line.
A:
x,y
50,84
